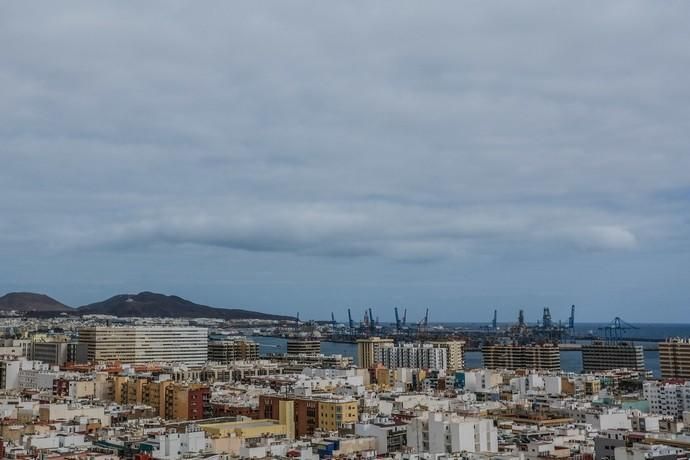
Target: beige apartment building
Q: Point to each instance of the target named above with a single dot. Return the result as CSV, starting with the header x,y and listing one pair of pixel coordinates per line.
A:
x,y
231,350
674,358
367,350
455,353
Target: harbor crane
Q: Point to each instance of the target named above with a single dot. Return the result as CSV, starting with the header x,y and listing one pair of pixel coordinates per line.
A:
x,y
424,323
546,319
614,331
351,323
398,323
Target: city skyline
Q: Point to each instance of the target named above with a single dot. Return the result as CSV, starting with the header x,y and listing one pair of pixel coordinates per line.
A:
x,y
456,157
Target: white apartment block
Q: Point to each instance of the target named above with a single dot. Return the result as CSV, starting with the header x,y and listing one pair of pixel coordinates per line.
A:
x,y
37,379
21,373
667,398
173,446
482,380
140,345
415,356
444,433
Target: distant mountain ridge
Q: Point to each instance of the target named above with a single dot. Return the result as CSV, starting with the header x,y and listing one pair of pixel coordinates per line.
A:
x,y
145,305
152,305
30,301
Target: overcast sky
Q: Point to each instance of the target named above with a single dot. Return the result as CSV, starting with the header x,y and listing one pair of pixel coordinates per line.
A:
x,y
315,156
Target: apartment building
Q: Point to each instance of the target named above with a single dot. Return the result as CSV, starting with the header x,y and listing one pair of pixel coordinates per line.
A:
x,y
390,435
542,357
455,353
310,414
666,398
59,353
231,350
307,347
20,373
170,400
368,348
601,356
674,358
141,345
443,433
334,413
411,355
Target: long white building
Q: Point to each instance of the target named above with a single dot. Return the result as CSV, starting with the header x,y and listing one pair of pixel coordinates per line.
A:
x,y
139,345
412,355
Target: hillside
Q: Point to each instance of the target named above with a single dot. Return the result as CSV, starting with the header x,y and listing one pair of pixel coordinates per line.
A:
x,y
152,305
31,302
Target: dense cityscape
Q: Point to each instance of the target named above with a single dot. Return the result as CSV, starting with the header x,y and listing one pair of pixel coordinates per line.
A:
x,y
98,386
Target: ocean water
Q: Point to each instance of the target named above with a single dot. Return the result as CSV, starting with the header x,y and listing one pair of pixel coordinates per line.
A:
x,y
571,361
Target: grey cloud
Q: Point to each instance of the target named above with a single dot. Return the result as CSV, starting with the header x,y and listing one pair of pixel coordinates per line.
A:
x,y
399,232
391,132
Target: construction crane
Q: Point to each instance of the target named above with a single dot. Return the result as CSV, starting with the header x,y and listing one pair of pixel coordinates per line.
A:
x,y
614,331
398,325
494,322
